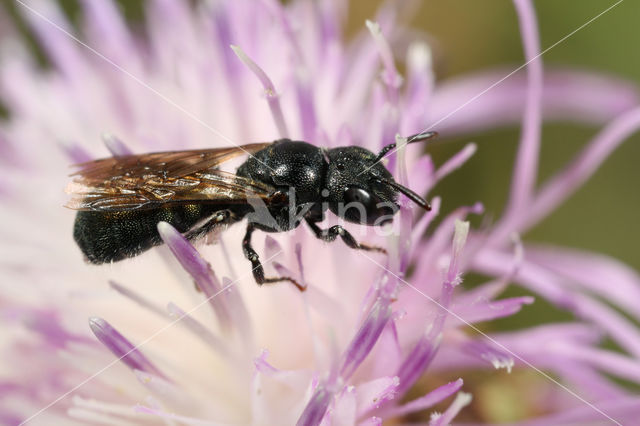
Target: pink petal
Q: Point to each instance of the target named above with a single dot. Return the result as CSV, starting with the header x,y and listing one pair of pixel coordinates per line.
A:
x,y
199,269
526,166
570,178
574,95
486,311
461,401
122,348
593,272
372,394
427,401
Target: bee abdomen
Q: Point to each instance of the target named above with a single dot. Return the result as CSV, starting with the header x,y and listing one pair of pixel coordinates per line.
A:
x,y
112,236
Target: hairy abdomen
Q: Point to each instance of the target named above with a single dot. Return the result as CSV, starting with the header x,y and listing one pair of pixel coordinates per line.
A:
x,y
111,236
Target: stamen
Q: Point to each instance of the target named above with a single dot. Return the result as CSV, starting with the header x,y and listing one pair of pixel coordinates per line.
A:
x,y
269,90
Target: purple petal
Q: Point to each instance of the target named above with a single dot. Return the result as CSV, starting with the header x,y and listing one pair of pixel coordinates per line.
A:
x,y
526,166
371,421
400,263
416,362
578,333
427,401
546,283
137,298
199,269
10,419
459,240
306,105
420,83
461,401
594,272
47,325
421,175
316,408
597,386
420,227
261,364
487,311
106,29
366,337
436,245
76,153
455,162
581,96
390,76
372,394
269,90
303,79
610,362
539,280
492,289
124,350
491,353
53,31
343,411
298,250
199,330
272,248
452,278
565,183
619,410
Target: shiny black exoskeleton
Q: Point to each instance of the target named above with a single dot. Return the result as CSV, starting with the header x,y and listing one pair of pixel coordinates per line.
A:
x,y
307,181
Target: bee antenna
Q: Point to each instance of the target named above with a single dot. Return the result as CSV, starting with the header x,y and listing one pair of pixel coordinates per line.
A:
x,y
420,137
406,191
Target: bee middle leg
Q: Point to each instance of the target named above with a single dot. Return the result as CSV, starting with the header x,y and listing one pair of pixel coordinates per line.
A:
x,y
330,235
256,265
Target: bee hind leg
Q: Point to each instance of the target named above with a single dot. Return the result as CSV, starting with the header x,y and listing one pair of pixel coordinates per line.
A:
x,y
256,265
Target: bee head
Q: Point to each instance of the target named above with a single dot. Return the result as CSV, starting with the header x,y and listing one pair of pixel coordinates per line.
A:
x,y
361,189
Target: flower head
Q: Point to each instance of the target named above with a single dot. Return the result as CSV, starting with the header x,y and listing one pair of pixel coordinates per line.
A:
x,y
182,335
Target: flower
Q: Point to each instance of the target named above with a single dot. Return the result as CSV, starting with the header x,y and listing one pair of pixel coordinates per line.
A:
x,y
369,326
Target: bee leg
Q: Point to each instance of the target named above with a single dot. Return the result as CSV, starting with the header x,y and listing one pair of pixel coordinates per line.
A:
x,y
257,269
330,235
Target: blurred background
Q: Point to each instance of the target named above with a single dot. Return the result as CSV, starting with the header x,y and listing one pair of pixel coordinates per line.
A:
x,y
472,35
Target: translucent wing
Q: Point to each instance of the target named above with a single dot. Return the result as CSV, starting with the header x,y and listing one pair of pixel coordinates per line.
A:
x,y
170,164
146,181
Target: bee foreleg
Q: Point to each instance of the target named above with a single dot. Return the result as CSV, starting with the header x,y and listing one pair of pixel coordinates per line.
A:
x,y
330,235
256,266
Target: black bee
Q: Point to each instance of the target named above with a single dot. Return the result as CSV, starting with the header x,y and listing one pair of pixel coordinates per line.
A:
x,y
122,199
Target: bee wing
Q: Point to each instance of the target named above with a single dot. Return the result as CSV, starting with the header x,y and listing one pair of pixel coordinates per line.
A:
x,y
145,181
171,164
213,187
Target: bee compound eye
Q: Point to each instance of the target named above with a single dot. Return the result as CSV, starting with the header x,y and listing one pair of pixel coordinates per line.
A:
x,y
361,206
358,195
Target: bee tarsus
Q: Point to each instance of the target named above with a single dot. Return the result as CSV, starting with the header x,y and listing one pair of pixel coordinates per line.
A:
x,y
330,235
256,265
